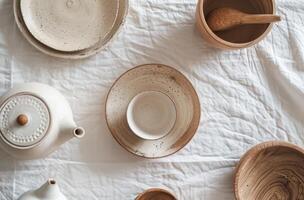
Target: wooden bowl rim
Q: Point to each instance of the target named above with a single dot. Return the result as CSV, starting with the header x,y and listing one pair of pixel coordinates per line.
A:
x,y
228,44
254,150
196,125
159,190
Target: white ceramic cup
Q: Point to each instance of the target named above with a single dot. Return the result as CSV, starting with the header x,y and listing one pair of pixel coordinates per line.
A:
x,y
151,115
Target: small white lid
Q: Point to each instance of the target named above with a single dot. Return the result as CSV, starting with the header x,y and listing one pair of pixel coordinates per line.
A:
x,y
24,120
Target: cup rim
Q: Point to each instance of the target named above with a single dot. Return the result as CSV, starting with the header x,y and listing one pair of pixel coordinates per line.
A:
x,y
222,42
128,109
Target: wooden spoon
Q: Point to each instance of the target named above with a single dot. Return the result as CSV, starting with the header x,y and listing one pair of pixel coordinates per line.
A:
x,y
226,18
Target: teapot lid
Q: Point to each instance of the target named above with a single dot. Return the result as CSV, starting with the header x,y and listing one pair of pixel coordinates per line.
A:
x,y
24,120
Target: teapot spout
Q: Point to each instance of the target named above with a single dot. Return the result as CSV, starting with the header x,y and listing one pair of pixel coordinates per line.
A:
x,y
78,132
70,131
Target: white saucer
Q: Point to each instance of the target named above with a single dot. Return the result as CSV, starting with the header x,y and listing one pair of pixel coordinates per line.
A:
x,y
69,25
151,115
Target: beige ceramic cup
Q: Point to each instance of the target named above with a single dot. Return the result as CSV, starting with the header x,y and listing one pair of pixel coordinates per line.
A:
x,y
151,115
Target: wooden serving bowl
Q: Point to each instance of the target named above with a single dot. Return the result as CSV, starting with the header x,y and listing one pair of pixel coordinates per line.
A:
x,y
238,37
271,171
156,194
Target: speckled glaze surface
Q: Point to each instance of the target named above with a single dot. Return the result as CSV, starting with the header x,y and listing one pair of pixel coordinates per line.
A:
x,y
271,171
156,194
153,77
80,54
69,25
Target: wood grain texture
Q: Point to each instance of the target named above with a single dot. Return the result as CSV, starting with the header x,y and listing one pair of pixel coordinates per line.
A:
x,y
225,18
156,194
271,171
160,78
238,37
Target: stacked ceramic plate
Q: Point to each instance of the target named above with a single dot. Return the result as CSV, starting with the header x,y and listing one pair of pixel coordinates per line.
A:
x,y
152,110
70,28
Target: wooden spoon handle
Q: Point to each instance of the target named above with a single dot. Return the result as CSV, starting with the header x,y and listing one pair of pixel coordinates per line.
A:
x,y
260,19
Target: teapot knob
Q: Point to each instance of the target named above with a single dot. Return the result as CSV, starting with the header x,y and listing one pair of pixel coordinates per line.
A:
x,y
22,120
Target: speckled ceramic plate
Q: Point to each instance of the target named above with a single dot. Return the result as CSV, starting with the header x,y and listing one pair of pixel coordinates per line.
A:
x,y
119,20
160,78
69,25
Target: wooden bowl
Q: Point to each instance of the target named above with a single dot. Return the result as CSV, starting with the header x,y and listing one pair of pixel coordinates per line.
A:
x,y
271,170
158,78
156,194
120,19
238,37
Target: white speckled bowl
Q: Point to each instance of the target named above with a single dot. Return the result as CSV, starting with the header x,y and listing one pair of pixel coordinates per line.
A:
x,y
69,25
120,18
159,78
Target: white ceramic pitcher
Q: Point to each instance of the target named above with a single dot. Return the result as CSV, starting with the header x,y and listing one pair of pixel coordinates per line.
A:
x,y
48,191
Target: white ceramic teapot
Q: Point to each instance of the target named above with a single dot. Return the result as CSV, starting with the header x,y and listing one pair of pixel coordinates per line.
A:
x,y
34,120
48,191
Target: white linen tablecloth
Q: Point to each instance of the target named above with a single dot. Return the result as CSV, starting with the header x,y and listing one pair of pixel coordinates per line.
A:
x,y
247,96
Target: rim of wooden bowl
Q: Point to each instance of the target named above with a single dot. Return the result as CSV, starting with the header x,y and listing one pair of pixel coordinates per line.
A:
x,y
158,190
194,126
226,44
81,54
255,150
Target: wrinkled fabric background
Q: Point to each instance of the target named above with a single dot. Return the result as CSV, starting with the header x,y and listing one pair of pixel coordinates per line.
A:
x,y
247,96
